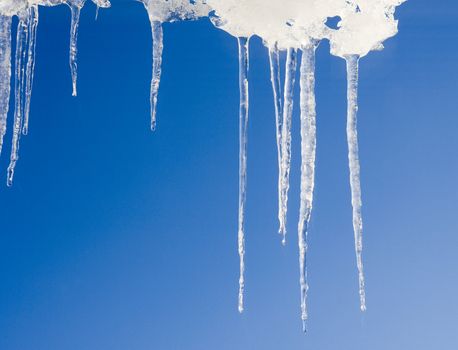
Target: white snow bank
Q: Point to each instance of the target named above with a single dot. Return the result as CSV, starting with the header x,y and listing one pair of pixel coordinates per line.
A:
x,y
175,10
364,27
364,24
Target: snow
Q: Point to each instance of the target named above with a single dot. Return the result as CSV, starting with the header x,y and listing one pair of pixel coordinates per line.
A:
x,y
175,10
11,8
364,27
294,26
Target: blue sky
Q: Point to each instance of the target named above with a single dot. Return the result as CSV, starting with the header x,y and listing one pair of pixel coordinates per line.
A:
x,y
114,237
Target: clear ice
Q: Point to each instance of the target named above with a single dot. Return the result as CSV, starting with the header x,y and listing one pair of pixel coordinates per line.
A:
x,y
243,124
24,58
158,45
5,73
290,26
353,161
160,11
274,63
30,69
75,20
285,152
308,148
19,80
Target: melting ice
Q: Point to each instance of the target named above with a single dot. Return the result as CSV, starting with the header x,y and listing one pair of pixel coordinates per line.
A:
x,y
293,26
24,58
160,11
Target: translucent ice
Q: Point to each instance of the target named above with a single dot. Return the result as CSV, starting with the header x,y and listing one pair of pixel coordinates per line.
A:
x,y
285,145
27,13
19,79
292,26
308,148
33,24
243,124
363,28
5,73
160,11
353,160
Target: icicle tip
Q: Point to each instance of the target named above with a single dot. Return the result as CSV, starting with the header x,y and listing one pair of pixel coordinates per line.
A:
x,y
304,326
9,178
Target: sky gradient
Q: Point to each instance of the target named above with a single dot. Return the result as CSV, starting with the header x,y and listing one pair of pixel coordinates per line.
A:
x,y
114,237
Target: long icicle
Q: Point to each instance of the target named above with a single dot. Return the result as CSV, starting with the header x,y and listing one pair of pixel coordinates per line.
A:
x,y
243,124
274,61
308,148
158,46
5,73
353,158
290,78
20,60
33,23
75,13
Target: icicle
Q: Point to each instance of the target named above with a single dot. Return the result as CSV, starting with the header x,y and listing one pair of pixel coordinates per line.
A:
x,y
243,120
20,59
274,61
97,12
33,23
75,12
158,45
290,76
308,147
5,73
353,158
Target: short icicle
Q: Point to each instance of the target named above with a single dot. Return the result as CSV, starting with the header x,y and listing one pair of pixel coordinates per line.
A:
x,y
5,73
243,120
274,61
75,9
33,24
19,81
158,46
308,148
290,77
353,158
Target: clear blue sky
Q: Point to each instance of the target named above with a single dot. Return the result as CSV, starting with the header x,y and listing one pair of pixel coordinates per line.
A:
x,y
114,237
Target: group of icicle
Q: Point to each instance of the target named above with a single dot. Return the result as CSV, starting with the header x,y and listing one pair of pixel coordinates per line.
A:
x,y
284,25
24,62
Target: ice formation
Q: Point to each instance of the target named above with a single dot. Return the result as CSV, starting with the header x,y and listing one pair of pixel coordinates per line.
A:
x,y
293,26
160,11
24,62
